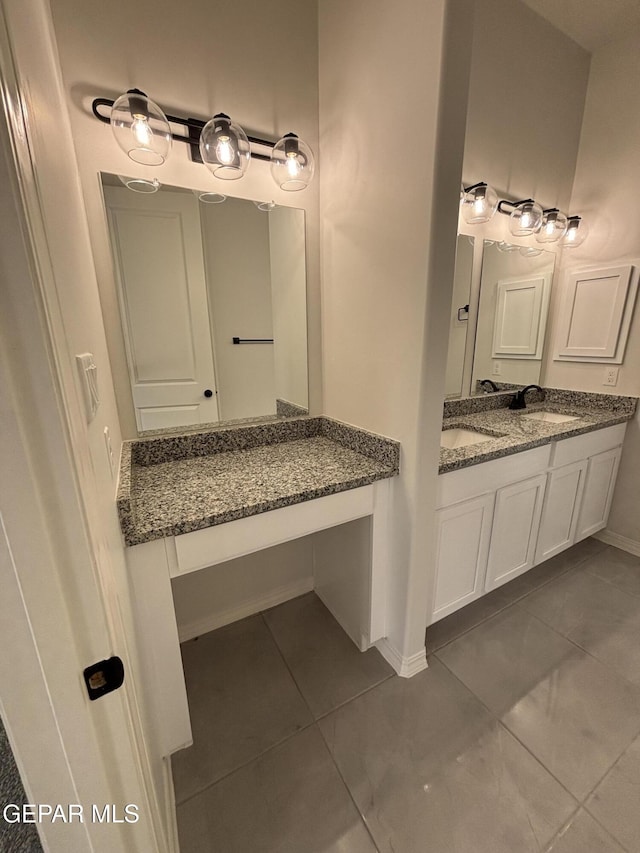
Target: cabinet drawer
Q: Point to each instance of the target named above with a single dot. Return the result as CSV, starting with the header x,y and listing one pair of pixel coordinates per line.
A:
x,y
583,446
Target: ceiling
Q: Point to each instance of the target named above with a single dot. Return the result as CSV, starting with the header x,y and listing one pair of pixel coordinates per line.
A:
x,y
591,23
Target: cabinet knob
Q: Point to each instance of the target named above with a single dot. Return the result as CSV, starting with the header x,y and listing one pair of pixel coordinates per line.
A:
x,y
208,393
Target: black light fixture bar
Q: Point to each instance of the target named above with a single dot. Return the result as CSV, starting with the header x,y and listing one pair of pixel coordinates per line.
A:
x,y
194,127
512,205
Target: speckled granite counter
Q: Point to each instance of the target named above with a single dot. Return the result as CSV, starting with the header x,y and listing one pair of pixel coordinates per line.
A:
x,y
180,483
508,432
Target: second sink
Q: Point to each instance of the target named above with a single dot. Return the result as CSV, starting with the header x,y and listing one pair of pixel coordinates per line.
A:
x,y
458,437
550,417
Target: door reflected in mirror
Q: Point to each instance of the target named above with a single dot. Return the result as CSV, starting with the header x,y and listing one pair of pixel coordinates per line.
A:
x,y
512,314
212,304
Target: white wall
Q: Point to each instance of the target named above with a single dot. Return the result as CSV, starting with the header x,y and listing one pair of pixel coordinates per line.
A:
x,y
235,241
287,253
386,88
526,97
607,173
255,61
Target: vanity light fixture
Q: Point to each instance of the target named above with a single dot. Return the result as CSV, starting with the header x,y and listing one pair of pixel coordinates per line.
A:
x,y
479,203
505,247
265,206
145,134
553,226
526,218
530,251
576,233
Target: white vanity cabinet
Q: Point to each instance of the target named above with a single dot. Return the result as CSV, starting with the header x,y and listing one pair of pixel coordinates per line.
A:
x,y
515,530
560,515
498,519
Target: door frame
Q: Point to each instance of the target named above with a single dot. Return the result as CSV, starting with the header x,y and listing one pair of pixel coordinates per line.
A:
x,y
53,554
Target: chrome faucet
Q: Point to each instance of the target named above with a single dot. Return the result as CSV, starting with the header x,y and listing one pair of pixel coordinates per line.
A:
x,y
519,401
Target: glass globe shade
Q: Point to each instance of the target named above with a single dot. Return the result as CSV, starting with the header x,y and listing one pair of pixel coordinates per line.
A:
x,y
224,148
479,204
552,227
292,163
576,233
210,197
265,206
530,251
141,185
141,128
525,219
503,246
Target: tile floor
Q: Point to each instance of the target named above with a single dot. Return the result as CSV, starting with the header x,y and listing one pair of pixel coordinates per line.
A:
x,y
522,736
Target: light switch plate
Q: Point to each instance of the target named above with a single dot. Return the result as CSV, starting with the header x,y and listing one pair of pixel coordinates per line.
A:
x,y
89,381
497,368
610,376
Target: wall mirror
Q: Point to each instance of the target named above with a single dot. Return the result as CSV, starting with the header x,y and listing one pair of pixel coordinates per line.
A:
x,y
503,339
213,308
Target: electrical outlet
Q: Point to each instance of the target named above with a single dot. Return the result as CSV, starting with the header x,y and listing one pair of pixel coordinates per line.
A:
x,y
611,376
497,368
107,444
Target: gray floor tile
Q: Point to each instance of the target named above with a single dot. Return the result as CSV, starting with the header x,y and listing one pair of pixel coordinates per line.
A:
x,y
616,567
584,835
463,620
326,665
452,627
291,800
503,659
616,801
242,701
597,616
577,720
431,769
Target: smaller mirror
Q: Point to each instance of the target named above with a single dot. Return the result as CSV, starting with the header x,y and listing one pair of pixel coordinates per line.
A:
x,y
512,315
212,301
458,328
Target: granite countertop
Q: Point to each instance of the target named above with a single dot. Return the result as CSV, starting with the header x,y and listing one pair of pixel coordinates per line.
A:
x,y
178,484
508,432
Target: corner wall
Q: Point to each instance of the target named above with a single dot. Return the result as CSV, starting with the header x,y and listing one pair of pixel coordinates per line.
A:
x,y
393,85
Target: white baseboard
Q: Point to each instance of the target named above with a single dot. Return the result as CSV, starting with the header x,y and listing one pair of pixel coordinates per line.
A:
x,y
618,541
245,608
404,666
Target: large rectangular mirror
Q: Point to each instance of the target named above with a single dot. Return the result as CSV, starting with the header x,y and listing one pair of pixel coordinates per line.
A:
x,y
212,303
512,314
501,342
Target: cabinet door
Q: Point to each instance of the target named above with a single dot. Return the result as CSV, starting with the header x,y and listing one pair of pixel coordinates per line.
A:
x,y
561,508
464,532
598,492
515,530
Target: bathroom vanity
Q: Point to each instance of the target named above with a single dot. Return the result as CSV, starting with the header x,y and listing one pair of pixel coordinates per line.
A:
x,y
521,486
192,500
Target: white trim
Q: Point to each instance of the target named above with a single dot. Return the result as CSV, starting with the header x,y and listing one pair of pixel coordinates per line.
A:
x,y
254,605
173,842
406,667
631,546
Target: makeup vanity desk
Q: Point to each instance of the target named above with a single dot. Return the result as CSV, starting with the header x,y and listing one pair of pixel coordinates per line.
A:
x,y
192,499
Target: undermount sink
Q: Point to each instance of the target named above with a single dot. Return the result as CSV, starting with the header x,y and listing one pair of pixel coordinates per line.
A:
x,y
457,437
550,417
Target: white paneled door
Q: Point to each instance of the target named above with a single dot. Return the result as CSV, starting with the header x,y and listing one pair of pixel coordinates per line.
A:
x,y
159,267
